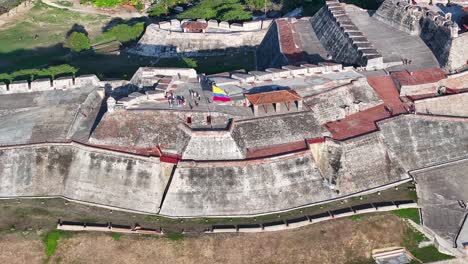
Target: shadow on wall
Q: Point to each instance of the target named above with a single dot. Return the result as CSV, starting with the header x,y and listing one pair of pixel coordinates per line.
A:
x,y
170,51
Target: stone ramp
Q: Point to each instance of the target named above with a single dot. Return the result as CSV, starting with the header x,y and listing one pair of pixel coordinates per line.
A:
x,y
393,44
310,43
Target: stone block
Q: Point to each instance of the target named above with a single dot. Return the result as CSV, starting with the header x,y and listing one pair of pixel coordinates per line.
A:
x,y
299,224
175,23
224,25
201,20
313,69
277,227
261,75
330,66
165,25
296,71
63,83
3,88
224,230
346,214
19,87
387,208
41,85
250,229
236,27
279,73
366,210
253,25
213,23
321,219
243,77
408,205
87,80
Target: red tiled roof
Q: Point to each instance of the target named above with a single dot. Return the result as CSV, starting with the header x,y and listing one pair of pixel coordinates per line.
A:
x,y
279,96
275,149
290,45
364,122
357,124
387,90
419,77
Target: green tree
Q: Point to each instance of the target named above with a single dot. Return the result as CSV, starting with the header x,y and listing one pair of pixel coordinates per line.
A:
x,y
77,41
258,4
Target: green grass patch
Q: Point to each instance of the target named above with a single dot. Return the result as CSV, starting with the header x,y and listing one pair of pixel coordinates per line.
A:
x,y
408,213
51,240
116,236
174,236
355,217
30,74
224,10
427,254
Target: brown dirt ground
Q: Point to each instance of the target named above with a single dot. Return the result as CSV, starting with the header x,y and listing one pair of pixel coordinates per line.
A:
x,y
339,241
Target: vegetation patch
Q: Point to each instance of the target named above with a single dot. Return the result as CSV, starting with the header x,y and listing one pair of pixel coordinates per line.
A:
x,y
116,236
175,236
51,240
30,74
355,217
113,3
224,10
123,33
77,41
426,254
408,213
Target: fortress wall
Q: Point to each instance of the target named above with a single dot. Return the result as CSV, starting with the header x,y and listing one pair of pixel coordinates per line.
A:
x,y
401,15
214,146
38,85
244,188
269,52
453,105
342,39
418,141
438,32
164,43
458,56
82,173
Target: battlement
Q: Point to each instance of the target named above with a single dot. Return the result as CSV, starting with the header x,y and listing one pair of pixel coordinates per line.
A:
x,y
46,84
413,18
216,27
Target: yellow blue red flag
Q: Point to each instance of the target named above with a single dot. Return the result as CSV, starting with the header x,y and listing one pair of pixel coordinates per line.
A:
x,y
219,94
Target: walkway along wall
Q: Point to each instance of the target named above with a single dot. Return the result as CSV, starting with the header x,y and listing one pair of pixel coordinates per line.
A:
x,y
440,33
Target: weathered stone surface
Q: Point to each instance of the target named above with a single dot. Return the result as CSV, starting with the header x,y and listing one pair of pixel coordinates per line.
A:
x,y
421,141
244,188
83,174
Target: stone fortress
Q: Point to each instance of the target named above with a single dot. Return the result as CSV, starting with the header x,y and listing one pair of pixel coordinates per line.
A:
x,y
291,136
423,35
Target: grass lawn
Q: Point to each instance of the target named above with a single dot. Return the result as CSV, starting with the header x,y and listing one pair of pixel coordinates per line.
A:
x,y
425,254
51,240
408,213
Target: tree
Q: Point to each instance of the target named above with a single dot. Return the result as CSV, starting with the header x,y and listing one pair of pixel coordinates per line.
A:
x,y
258,4
77,41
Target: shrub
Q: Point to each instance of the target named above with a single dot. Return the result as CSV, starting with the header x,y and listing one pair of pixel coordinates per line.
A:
x,y
162,6
258,4
226,10
77,41
124,32
30,74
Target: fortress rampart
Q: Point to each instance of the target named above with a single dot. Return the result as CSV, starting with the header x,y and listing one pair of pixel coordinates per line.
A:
x,y
166,39
439,32
39,85
342,39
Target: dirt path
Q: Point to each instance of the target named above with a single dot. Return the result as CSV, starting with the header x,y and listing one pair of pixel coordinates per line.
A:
x,y
121,12
340,241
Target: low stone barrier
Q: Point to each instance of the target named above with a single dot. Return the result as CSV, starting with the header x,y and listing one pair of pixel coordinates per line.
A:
x,y
108,227
46,84
312,219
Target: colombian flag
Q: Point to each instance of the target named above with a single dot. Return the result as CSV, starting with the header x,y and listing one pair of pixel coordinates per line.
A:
x,y
219,94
